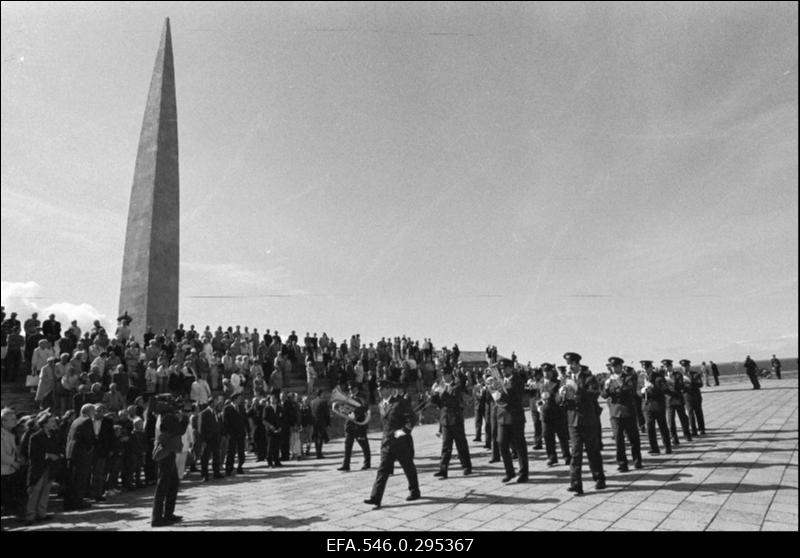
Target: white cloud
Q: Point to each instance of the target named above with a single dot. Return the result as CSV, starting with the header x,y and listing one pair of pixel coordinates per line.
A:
x,y
21,297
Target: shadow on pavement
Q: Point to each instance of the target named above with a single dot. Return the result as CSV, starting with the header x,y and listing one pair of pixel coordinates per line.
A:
x,y
275,521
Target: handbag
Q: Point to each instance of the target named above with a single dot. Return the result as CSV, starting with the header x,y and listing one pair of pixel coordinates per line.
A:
x,y
31,381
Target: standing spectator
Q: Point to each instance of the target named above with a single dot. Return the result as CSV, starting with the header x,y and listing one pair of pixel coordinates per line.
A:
x,y
321,416
79,454
714,372
210,429
103,446
43,454
12,481
14,354
200,392
705,372
234,422
311,375
47,384
40,356
776,366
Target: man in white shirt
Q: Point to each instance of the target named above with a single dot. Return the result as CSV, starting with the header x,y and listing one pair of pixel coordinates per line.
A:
x,y
200,392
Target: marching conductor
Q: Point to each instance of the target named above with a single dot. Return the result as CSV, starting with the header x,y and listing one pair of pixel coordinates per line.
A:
x,y
168,444
398,420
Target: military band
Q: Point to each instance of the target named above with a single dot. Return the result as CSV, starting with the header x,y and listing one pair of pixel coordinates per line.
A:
x,y
554,418
448,395
654,396
694,398
619,390
676,390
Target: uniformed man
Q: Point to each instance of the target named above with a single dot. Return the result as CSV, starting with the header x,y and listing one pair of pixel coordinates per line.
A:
x,y
694,398
510,419
168,444
641,378
534,389
491,422
619,390
448,394
479,406
714,372
579,395
398,420
676,388
554,418
654,393
355,430
752,372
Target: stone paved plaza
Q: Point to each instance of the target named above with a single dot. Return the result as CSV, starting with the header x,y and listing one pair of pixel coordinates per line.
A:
x,y
741,476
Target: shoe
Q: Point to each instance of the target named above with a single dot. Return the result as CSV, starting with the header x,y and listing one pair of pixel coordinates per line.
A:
x,y
343,468
413,496
487,447
552,462
623,469
508,478
365,467
651,452
160,523
174,518
576,489
537,447
522,479
638,465
600,485
494,461
668,451
219,476
440,473
278,465
467,471
372,502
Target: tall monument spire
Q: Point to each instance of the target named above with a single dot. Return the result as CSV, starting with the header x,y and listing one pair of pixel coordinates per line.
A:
x,y
150,269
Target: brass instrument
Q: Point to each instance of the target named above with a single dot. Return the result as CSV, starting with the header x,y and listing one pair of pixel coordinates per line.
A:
x,y
495,381
344,406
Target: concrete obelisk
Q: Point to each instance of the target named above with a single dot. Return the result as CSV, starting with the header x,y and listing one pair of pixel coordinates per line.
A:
x,y
150,269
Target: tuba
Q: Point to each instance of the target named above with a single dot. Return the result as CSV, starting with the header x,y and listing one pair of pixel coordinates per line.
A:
x,y
344,405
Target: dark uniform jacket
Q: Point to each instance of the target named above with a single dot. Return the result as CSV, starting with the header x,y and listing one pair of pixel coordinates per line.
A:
x,y
694,385
509,405
80,440
169,439
621,396
359,413
551,409
272,418
104,443
397,415
582,411
676,389
451,404
656,398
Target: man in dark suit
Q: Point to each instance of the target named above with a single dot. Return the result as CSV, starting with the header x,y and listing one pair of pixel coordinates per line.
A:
x,y
103,446
272,422
235,425
210,431
655,408
714,372
511,420
43,450
79,453
776,366
449,396
168,444
619,389
579,396
321,420
398,420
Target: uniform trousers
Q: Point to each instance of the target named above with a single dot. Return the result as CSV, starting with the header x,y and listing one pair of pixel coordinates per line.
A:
x,y
395,449
622,427
680,410
363,443
659,418
513,435
585,436
694,408
454,433
552,428
166,489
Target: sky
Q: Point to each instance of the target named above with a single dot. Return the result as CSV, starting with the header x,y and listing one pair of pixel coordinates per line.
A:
x,y
610,179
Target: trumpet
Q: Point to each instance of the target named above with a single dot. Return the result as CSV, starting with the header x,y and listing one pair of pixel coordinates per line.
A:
x,y
344,406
